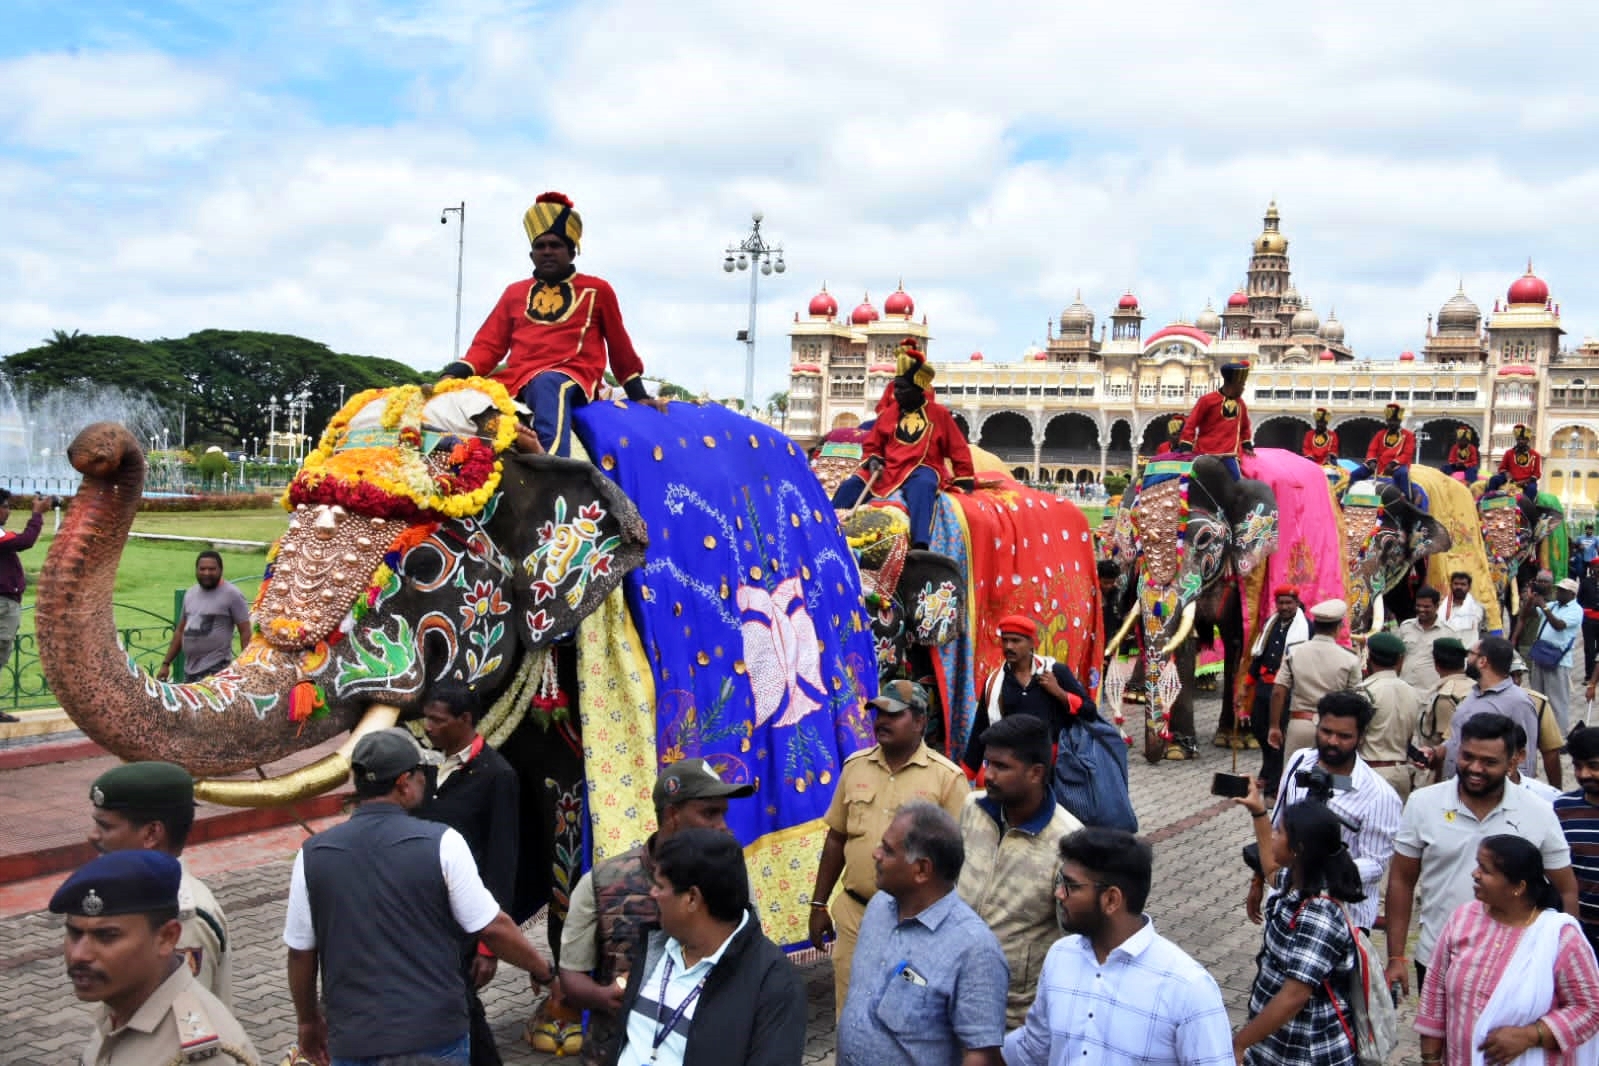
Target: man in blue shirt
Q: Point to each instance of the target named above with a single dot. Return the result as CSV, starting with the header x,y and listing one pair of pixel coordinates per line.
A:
x,y
929,980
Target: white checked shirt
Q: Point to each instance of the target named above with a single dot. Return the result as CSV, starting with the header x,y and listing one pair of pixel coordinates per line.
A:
x,y
1146,1003
1370,803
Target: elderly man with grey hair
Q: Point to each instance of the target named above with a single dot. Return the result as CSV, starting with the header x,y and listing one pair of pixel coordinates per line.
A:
x,y
929,978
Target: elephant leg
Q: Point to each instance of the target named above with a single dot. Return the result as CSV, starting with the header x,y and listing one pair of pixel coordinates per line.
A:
x,y
1181,722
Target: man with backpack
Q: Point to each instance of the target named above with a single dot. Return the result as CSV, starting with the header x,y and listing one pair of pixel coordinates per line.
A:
x,y
1027,683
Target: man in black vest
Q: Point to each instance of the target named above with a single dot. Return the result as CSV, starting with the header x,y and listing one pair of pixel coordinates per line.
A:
x,y
476,793
379,907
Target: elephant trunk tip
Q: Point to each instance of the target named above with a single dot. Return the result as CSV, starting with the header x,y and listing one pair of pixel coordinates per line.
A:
x,y
100,449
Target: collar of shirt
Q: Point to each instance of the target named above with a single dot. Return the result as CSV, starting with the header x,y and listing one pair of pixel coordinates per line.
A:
x,y
674,950
1509,801
932,917
1412,624
1132,947
1503,686
1034,825
151,1012
1038,668
456,761
918,757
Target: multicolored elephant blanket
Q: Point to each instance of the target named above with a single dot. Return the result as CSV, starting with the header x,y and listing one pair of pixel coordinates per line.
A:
x,y
1023,552
749,614
1452,503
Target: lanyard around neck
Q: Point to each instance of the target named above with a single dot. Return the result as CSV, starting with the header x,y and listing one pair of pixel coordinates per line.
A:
x,y
663,1031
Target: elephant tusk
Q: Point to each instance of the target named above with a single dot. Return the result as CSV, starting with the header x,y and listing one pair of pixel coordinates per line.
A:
x,y
1515,597
1185,626
326,773
1121,634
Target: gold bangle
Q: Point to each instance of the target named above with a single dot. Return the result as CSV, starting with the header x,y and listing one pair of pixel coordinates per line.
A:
x,y
1542,1031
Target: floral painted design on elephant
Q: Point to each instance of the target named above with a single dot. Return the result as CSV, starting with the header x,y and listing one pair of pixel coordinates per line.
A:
x,y
941,615
570,554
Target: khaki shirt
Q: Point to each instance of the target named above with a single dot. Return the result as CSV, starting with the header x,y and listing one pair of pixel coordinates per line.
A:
x,y
1418,667
1398,713
1315,668
204,944
1008,878
1433,728
868,796
180,1011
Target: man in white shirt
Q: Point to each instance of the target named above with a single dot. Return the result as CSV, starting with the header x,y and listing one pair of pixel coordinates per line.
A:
x,y
1560,624
1461,611
1113,990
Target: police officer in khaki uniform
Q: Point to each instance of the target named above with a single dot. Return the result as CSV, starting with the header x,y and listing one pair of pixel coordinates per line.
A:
x,y
874,784
1398,710
121,949
150,805
1310,671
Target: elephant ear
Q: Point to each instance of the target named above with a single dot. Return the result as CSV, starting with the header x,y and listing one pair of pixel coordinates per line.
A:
x,y
1249,506
571,535
933,591
1424,534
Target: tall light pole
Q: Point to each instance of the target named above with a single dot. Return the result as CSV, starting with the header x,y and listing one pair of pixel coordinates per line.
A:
x,y
460,260
272,431
752,250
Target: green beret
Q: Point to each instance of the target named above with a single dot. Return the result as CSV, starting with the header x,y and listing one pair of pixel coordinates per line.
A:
x,y
1386,645
120,882
1449,644
142,786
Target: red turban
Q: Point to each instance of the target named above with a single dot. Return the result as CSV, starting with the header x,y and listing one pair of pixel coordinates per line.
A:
x,y
1019,626
1285,590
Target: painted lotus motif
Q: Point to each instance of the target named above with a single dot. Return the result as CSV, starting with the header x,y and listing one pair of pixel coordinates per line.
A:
x,y
780,652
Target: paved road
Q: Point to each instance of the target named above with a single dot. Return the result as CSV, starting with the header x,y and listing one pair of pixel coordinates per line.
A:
x,y
1197,901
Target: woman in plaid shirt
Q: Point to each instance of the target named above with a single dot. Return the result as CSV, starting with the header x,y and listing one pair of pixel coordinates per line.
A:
x,y
1308,951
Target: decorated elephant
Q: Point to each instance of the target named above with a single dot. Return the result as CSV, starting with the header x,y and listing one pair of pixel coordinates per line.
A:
x,y
915,598
420,548
1515,535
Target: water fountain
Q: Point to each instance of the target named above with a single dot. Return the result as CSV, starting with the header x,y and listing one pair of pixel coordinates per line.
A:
x,y
35,432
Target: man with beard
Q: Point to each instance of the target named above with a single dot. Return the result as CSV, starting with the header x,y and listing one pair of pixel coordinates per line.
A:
x,y
149,806
1027,683
1392,450
1462,612
1496,692
121,952
873,784
212,610
1219,423
1010,835
1449,656
1418,635
1435,850
915,447
1321,444
1369,807
556,330
1578,812
1113,989
1287,628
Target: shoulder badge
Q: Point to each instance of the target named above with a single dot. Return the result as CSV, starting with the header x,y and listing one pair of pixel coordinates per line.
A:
x,y
197,1037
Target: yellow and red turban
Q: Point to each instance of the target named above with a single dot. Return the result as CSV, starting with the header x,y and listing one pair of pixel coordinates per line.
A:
x,y
911,362
553,213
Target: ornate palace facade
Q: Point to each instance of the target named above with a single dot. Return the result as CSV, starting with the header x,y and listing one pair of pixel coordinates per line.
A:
x,y
1078,407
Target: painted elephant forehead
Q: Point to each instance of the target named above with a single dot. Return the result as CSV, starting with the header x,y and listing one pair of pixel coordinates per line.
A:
x,y
324,561
748,605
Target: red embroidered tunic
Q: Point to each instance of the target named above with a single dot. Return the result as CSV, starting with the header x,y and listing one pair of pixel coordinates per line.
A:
x,y
924,437
1320,448
1217,426
571,326
1388,450
1464,455
1521,467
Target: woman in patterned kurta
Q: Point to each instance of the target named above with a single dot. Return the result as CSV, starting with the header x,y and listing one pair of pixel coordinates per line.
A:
x,y
1484,943
1308,949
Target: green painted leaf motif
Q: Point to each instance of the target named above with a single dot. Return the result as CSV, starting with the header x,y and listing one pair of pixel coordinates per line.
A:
x,y
263,705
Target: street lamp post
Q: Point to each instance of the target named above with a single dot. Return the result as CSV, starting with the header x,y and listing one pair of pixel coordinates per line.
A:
x,y
752,251
272,430
460,260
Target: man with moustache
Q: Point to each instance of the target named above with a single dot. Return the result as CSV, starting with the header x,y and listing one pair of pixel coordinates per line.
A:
x,y
1219,423
874,784
1026,683
1489,665
212,610
1392,450
1435,850
556,330
1010,833
1113,989
1310,671
1418,634
1578,812
1287,629
121,950
1461,611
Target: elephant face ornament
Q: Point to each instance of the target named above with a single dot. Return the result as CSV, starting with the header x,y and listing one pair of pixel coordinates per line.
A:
x,y
1385,536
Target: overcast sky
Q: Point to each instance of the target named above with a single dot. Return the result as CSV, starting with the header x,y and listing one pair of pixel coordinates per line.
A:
x,y
280,166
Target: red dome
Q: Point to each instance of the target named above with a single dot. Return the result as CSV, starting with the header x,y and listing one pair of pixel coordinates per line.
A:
x,y
1407,357
977,357
823,305
899,302
1238,299
1040,357
1529,289
1128,302
864,313
806,368
1327,355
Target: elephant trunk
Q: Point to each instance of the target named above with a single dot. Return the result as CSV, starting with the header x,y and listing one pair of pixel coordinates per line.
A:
x,y
225,724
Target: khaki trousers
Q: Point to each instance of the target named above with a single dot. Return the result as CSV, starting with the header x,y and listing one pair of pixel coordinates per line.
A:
x,y
1299,734
847,915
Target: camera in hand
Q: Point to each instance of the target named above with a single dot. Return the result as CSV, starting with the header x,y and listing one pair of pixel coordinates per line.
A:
x,y
1319,785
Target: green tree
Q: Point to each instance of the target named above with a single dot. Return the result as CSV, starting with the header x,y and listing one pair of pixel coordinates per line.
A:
x,y
212,465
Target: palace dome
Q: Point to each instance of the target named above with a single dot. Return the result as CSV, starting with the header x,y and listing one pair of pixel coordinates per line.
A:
x,y
1528,289
807,368
1237,299
1208,319
1296,354
1305,321
1077,319
1128,302
1327,355
977,357
864,313
1290,297
823,305
1332,330
1460,313
1407,357
899,302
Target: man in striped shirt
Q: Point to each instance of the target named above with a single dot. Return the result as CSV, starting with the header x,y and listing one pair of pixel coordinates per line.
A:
x,y
1578,812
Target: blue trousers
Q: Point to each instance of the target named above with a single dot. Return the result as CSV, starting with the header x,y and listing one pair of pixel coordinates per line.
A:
x,y
1529,488
1469,471
920,489
553,397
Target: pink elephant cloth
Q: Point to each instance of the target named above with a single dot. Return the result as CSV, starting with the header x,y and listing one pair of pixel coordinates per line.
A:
x,y
1310,552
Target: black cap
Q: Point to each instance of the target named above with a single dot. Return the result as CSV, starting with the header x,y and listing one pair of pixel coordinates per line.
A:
x,y
143,786
694,779
121,882
385,755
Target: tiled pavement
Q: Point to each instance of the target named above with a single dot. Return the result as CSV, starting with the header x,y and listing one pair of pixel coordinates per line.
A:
x,y
1197,901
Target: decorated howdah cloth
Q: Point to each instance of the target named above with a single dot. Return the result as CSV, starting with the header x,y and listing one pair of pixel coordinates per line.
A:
x,y
748,606
1310,537
1023,552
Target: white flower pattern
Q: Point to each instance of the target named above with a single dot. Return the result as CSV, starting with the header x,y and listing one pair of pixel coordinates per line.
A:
x,y
780,652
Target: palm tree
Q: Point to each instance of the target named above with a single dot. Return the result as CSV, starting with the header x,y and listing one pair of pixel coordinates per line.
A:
x,y
62,341
777,404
